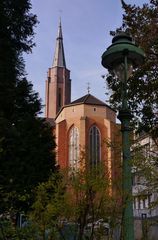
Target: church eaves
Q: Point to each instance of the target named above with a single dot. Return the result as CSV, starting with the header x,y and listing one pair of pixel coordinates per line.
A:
x,y
90,100
59,57
87,99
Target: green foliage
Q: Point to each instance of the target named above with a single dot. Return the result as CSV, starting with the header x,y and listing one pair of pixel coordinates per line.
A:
x,y
48,207
26,143
20,31
69,202
141,23
9,231
93,200
16,37
27,156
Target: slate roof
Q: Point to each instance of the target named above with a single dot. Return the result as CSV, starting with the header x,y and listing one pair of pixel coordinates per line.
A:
x,y
89,99
59,56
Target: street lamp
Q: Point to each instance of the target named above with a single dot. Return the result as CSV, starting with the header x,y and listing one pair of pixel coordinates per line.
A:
x,y
120,58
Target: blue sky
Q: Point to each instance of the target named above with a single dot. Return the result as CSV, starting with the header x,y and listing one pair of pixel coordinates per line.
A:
x,y
86,25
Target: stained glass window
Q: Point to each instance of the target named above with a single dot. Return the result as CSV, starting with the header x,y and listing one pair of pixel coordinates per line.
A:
x,y
74,148
94,146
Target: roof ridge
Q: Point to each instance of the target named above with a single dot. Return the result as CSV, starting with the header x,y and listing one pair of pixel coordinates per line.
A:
x,y
86,97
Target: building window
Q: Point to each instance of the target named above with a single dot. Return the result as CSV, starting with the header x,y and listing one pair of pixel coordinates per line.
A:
x,y
134,202
144,216
74,148
142,202
146,150
94,146
133,179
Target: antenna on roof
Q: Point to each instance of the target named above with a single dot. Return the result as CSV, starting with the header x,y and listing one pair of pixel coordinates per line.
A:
x,y
88,87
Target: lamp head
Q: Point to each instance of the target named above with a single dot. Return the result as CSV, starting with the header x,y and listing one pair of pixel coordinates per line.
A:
x,y
122,45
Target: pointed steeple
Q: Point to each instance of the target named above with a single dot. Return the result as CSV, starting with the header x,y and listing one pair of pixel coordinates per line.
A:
x,y
58,83
123,4
59,57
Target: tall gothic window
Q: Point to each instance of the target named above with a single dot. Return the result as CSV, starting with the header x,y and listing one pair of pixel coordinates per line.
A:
x,y
74,148
94,146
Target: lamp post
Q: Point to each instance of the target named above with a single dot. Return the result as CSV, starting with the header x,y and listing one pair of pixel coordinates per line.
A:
x,y
121,57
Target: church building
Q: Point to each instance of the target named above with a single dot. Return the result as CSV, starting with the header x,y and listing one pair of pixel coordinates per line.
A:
x,y
84,128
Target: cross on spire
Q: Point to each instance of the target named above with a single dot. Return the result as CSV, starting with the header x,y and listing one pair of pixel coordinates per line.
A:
x,y
88,87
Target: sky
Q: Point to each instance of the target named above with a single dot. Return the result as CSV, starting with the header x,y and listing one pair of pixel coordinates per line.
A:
x,y
86,26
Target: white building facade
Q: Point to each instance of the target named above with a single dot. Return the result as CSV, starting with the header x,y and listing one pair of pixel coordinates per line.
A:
x,y
145,196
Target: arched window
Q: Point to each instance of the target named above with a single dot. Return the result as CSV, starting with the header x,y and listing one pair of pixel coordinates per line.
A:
x,y
94,146
74,148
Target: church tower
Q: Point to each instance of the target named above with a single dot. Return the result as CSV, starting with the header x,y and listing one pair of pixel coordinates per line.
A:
x,y
58,83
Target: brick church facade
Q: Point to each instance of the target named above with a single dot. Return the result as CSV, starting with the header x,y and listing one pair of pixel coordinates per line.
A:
x,y
82,127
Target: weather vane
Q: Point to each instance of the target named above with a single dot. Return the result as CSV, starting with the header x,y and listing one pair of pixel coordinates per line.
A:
x,y
88,87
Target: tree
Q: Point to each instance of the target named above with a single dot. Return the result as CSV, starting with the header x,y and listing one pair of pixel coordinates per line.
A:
x,y
27,145
79,205
48,207
28,158
16,37
141,23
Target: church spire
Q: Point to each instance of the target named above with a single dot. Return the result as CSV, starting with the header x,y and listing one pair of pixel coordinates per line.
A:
x,y
59,57
58,83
